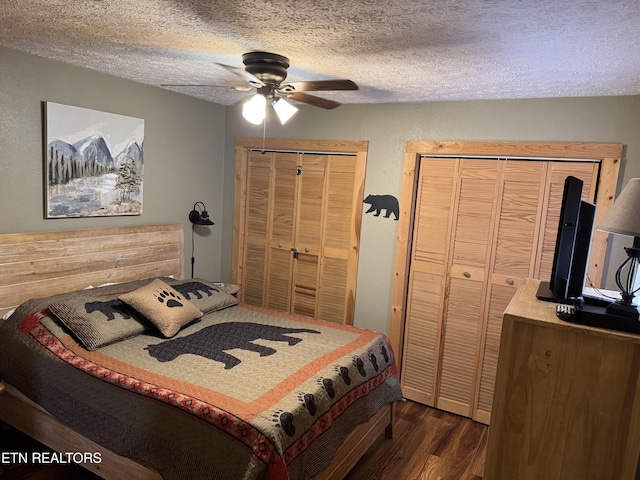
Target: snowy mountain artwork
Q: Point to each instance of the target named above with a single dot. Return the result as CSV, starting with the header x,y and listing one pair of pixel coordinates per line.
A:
x,y
94,162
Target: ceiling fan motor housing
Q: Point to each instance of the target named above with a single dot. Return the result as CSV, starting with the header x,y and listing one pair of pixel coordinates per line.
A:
x,y
270,68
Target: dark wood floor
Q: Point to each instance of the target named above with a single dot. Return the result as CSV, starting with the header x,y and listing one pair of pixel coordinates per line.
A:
x,y
428,444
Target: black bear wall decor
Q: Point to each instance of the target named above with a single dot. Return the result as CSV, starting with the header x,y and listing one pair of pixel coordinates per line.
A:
x,y
389,203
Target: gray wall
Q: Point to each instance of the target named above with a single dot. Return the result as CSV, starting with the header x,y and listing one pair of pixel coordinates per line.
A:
x,y
388,128
189,155
184,148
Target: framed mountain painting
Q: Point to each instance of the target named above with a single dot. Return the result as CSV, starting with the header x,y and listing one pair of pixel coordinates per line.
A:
x,y
94,163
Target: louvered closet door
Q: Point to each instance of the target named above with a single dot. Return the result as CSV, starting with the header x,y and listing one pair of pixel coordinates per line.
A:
x,y
521,195
480,228
343,209
303,214
257,227
558,172
429,257
282,231
464,307
308,238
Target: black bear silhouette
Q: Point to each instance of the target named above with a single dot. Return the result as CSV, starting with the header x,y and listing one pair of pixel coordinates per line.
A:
x,y
193,288
108,308
383,202
211,341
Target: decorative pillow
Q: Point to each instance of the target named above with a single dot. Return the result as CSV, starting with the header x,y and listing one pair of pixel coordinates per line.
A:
x,y
205,295
163,306
97,321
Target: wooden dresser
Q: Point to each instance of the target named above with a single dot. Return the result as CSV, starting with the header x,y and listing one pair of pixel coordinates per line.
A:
x,y
567,398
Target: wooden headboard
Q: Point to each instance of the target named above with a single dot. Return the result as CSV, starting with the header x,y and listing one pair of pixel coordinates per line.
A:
x,y
34,265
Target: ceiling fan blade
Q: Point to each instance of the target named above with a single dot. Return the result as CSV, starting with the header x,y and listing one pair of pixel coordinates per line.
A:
x,y
313,100
239,88
318,85
241,72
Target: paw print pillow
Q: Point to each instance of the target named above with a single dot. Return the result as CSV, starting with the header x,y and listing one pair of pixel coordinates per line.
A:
x,y
163,306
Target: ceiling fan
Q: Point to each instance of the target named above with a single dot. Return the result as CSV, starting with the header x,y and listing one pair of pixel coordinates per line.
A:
x,y
266,72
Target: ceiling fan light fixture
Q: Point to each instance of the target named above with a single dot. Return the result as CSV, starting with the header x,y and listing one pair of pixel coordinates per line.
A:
x,y
284,109
254,110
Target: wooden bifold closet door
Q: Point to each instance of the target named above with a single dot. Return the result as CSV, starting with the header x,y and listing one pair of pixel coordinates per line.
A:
x,y
298,237
481,226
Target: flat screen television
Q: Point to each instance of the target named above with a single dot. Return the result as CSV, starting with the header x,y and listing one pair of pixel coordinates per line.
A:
x,y
573,245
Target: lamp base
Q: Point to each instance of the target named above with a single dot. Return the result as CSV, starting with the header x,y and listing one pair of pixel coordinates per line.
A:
x,y
600,317
623,310
625,307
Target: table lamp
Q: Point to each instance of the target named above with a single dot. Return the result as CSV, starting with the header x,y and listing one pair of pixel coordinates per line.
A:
x,y
624,219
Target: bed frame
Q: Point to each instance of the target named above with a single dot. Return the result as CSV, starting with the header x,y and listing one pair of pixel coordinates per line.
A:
x,y
47,263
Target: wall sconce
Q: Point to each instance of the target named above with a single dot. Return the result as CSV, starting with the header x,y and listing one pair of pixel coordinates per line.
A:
x,y
254,110
623,218
197,217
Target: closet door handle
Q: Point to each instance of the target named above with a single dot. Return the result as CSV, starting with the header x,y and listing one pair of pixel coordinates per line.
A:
x,y
510,282
467,275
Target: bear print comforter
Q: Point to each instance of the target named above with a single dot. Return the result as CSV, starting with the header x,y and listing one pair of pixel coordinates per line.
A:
x,y
243,393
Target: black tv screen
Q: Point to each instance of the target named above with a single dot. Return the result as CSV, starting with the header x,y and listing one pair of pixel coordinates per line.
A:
x,y
573,242
581,251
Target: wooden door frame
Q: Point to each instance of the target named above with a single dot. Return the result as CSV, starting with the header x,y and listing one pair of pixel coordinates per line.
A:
x,y
609,154
243,145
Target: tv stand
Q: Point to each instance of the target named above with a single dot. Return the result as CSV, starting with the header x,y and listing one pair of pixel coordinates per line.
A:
x,y
545,294
566,403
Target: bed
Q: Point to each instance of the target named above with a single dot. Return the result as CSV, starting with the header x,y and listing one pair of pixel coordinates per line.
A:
x,y
234,392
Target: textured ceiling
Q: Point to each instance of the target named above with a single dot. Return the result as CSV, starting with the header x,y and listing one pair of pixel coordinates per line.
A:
x,y
395,50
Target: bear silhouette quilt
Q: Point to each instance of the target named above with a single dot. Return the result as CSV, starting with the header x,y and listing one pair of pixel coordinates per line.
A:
x,y
272,383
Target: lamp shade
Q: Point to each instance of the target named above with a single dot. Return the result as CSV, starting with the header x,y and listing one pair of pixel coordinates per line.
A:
x,y
623,217
284,110
254,110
